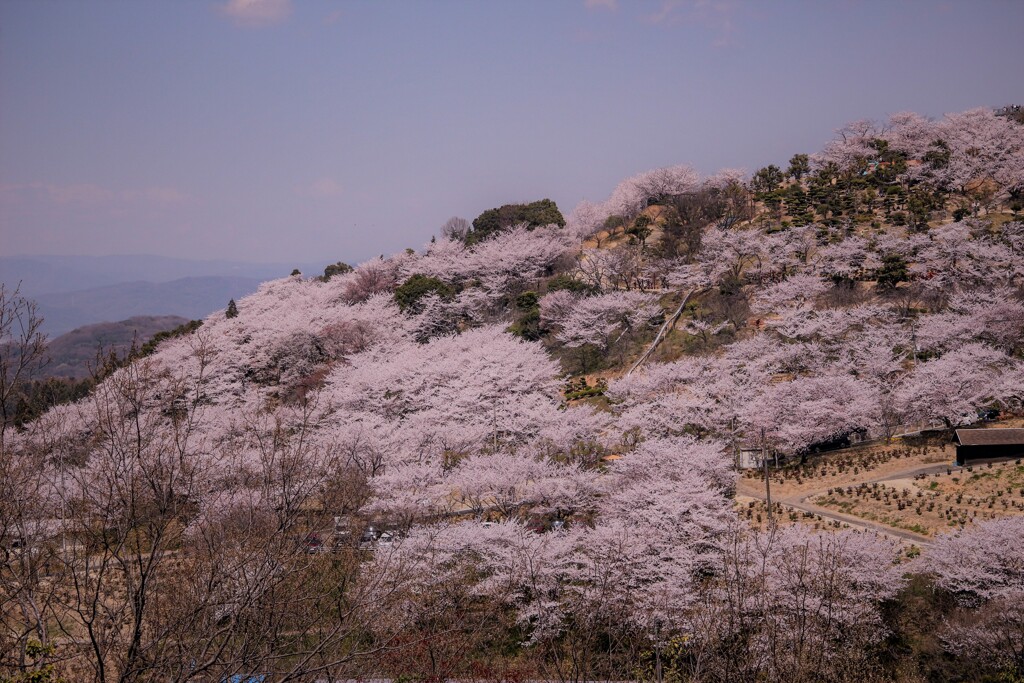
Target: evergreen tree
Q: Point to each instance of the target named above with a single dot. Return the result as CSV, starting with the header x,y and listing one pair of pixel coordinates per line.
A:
x,y
641,228
535,214
892,272
799,166
339,268
767,180
232,311
410,292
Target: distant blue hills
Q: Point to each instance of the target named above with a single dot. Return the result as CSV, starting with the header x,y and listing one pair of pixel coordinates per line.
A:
x,y
72,291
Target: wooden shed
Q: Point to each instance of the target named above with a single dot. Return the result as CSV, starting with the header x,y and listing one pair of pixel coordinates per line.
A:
x,y
978,444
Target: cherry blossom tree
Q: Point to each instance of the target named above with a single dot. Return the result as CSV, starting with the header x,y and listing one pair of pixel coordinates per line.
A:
x,y
801,605
372,277
983,567
991,315
453,393
983,148
633,194
850,147
794,415
911,134
174,558
955,260
597,320
586,219
512,256
798,291
196,475
26,533
954,386
845,259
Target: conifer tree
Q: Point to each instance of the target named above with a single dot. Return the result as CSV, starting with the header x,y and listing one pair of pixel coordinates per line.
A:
x,y
232,311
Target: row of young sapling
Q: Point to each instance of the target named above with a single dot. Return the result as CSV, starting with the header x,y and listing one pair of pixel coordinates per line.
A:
x,y
757,510
845,464
1003,500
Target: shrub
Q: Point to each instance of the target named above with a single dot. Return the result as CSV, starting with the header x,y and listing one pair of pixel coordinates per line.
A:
x,y
527,300
613,222
493,221
570,284
641,228
411,292
578,388
892,272
187,328
339,268
527,325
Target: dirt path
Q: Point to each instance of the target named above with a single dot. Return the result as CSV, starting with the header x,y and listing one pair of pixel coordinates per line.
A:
x,y
669,323
853,521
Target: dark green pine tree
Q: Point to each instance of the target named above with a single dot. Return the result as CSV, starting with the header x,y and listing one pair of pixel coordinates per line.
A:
x,y
232,311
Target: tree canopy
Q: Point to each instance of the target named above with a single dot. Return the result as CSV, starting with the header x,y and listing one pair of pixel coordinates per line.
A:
x,y
533,215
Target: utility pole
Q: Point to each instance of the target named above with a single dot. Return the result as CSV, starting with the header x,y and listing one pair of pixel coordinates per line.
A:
x,y
735,445
913,344
767,479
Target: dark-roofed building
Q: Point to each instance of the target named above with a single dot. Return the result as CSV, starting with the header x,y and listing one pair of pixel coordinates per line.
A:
x,y
978,444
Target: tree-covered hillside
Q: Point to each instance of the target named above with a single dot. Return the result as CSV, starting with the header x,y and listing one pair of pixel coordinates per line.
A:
x,y
379,472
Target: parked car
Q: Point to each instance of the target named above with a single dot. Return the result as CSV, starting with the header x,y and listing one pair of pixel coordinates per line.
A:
x,y
987,414
342,538
314,544
369,538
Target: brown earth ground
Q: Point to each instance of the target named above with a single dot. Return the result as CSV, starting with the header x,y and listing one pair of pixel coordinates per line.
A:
x,y
911,492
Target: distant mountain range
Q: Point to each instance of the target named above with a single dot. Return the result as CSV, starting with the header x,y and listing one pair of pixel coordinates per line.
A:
x,y
74,354
50,274
190,297
72,291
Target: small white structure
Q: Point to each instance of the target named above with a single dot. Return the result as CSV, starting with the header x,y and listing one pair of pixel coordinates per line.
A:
x,y
749,459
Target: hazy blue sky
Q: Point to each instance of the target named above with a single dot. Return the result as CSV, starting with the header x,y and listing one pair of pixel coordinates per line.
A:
x,y
274,130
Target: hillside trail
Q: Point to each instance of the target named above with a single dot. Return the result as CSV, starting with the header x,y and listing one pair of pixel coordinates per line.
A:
x,y
754,488
665,327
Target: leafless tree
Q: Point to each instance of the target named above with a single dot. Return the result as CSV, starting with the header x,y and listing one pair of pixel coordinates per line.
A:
x,y
456,228
26,531
144,551
22,349
24,598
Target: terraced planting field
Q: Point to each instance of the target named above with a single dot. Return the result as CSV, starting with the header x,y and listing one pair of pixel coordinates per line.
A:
x,y
931,503
910,491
